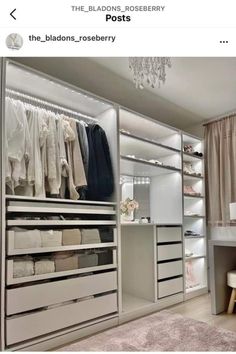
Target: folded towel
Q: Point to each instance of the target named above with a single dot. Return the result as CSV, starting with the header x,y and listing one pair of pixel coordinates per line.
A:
x,y
88,260
51,238
24,239
23,267
106,234
44,266
66,261
104,257
90,236
71,237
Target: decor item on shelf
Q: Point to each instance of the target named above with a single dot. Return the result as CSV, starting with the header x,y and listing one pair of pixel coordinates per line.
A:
x,y
188,253
191,233
156,162
188,168
127,207
188,148
199,154
189,190
145,220
191,280
149,70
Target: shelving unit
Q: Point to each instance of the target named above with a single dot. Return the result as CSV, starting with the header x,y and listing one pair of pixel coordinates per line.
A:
x,y
60,302
143,290
147,271
195,265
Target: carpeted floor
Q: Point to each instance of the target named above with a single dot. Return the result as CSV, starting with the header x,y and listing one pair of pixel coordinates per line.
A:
x,y
162,331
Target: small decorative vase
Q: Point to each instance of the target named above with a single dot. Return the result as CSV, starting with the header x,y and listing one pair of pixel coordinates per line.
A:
x,y
126,217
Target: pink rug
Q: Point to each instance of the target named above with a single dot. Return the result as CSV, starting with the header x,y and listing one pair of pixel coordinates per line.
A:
x,y
162,331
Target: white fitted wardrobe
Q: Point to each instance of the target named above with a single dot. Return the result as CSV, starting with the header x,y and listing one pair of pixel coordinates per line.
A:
x,y
145,270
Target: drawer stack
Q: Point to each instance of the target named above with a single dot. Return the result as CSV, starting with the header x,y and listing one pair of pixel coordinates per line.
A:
x,y
61,267
169,261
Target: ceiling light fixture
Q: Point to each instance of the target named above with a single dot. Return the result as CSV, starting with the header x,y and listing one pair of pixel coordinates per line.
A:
x,y
149,70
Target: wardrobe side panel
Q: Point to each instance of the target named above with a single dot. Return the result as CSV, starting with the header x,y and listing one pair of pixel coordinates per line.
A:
x,y
166,198
2,195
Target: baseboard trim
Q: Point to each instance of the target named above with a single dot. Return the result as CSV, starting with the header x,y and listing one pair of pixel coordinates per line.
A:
x,y
196,293
148,309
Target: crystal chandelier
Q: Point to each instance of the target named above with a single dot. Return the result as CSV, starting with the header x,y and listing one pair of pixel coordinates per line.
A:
x,y
149,70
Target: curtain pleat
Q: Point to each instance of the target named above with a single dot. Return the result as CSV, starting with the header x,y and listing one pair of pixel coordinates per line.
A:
x,y
220,167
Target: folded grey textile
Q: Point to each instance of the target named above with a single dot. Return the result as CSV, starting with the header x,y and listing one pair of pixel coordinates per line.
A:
x,y
23,267
24,239
88,260
71,237
51,238
90,236
106,234
44,266
66,261
104,257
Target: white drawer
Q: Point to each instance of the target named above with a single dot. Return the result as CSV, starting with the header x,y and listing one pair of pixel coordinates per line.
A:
x,y
170,287
170,269
39,323
166,252
36,296
169,234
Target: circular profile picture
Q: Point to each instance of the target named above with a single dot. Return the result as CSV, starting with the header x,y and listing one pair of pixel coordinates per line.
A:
x,y
14,41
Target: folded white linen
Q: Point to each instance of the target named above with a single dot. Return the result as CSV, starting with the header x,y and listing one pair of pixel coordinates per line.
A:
x,y
51,238
23,267
25,239
90,236
44,266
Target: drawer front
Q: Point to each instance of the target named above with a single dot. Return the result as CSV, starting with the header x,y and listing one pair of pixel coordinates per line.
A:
x,y
42,322
170,287
170,269
36,296
166,252
169,234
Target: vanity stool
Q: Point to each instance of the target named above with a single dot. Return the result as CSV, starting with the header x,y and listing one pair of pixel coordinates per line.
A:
x,y
231,281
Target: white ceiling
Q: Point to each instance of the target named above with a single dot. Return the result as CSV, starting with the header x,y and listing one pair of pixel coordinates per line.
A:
x,y
204,86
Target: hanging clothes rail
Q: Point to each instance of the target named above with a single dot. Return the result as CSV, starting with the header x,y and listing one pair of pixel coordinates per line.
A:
x,y
47,104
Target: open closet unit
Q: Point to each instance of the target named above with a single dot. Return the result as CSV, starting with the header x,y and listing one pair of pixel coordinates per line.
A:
x,y
59,244
151,251
194,228
72,261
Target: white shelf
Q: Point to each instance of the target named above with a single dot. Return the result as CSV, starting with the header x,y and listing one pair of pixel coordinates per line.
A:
x,y
193,257
189,196
59,222
58,200
131,144
135,167
13,252
190,177
191,158
50,210
195,288
193,237
194,216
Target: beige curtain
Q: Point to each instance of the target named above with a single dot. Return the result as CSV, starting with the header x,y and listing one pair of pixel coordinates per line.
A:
x,y
220,167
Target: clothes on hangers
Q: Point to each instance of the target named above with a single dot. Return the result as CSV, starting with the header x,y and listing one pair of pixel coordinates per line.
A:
x,y
50,154
100,172
18,143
